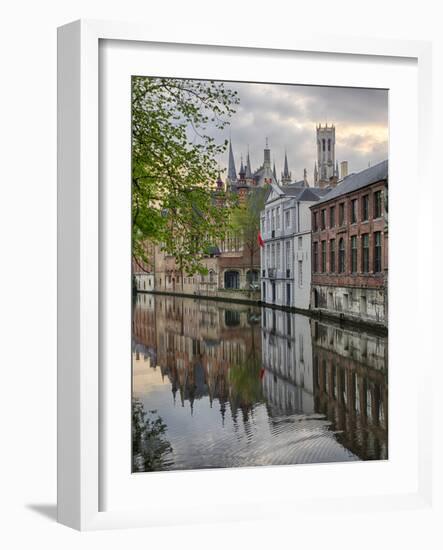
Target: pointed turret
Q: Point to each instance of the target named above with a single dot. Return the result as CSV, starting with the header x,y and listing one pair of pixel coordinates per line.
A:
x,y
219,181
232,172
267,155
248,167
286,174
242,168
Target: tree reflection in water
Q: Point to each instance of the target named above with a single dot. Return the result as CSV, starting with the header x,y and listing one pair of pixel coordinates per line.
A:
x,y
150,449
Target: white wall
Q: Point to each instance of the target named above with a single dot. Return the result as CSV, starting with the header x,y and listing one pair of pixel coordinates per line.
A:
x,y
28,225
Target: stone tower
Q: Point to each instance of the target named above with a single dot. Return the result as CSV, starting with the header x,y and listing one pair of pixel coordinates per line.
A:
x,y
326,174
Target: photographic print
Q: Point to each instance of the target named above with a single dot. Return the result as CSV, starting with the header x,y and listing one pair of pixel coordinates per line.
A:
x,y
259,274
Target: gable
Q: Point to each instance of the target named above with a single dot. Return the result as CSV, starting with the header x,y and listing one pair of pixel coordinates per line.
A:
x,y
275,193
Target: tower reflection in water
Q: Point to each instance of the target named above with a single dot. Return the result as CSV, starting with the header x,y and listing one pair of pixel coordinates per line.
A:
x,y
237,385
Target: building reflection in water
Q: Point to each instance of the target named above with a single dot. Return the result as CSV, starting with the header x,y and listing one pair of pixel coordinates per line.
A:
x,y
284,388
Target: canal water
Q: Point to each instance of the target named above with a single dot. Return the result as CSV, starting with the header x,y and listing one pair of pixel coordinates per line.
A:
x,y
226,385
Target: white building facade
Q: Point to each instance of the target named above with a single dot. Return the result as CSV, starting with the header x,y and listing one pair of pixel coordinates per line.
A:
x,y
286,254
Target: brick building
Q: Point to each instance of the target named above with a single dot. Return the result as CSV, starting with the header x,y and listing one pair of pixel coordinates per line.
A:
x,y
350,248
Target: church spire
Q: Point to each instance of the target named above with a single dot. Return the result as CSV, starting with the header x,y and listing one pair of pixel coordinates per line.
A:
x,y
242,172
286,169
286,174
232,172
248,166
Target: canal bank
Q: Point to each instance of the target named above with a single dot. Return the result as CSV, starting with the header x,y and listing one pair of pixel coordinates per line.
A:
x,y
341,319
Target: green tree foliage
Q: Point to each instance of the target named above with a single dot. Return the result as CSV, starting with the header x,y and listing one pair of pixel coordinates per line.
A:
x,y
150,450
174,165
244,378
246,221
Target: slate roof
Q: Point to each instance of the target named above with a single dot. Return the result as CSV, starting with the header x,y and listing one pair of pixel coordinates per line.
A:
x,y
304,193
353,182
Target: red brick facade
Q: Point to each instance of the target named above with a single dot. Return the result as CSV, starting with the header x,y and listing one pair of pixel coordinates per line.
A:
x,y
363,262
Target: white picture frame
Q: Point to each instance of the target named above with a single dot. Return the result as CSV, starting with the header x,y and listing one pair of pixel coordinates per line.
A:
x,y
80,413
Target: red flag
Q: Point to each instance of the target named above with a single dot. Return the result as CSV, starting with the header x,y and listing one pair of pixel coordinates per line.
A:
x,y
260,240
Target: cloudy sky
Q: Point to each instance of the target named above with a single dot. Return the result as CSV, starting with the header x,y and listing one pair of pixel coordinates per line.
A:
x,y
288,115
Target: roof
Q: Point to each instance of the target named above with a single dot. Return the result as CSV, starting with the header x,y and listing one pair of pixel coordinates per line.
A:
x,y
303,193
353,182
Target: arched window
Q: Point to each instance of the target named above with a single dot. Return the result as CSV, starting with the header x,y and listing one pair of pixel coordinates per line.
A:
x,y
341,256
211,276
232,279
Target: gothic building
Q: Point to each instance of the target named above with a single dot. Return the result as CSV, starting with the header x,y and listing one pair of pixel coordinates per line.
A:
x,y
246,179
326,168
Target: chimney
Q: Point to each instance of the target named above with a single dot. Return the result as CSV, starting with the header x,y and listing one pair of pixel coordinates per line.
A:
x,y
343,168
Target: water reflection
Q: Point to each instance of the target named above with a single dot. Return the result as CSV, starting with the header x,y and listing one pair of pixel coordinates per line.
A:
x,y
238,386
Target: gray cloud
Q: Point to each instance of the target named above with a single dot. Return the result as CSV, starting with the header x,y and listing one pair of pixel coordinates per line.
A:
x,y
287,115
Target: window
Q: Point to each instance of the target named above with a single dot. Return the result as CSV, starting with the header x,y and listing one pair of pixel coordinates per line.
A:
x,y
278,256
287,218
332,255
273,219
341,256
314,221
315,257
211,276
323,256
332,216
252,276
341,213
377,204
288,255
272,255
323,144
329,144
323,218
365,208
354,210
232,318
278,217
300,273
365,253
354,254
232,279
268,255
268,220
377,252
300,243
